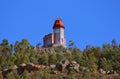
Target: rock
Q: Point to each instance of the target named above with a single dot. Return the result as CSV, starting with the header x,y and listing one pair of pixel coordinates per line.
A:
x,y
23,64
6,71
74,62
21,68
66,65
102,71
30,67
43,50
76,67
73,66
52,66
63,65
54,72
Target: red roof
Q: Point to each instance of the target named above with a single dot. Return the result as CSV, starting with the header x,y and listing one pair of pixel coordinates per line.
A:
x,y
58,24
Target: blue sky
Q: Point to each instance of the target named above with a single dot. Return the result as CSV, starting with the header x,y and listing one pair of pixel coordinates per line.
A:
x,y
86,22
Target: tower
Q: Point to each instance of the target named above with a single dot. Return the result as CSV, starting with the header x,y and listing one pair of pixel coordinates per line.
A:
x,y
58,30
57,37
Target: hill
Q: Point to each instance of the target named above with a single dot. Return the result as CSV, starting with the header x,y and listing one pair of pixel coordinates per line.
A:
x,y
23,61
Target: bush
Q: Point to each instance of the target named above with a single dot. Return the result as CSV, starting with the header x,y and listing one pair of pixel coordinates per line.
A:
x,y
13,75
43,59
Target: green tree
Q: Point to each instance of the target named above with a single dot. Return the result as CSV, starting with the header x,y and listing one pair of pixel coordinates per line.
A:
x,y
24,52
52,58
43,59
25,75
76,55
23,45
13,75
6,49
105,64
60,57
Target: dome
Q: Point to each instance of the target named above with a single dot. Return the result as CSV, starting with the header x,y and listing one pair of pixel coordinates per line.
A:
x,y
58,24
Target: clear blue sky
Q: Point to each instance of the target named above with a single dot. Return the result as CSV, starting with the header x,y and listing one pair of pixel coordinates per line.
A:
x,y
86,22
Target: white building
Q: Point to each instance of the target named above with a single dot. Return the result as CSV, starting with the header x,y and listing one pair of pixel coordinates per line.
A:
x,y
57,37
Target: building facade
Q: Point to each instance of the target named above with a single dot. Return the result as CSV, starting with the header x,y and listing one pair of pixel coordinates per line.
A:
x,y
57,37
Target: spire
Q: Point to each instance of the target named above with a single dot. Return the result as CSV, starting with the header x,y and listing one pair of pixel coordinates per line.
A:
x,y
58,23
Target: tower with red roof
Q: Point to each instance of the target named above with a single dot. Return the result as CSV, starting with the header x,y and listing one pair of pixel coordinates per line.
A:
x,y
57,37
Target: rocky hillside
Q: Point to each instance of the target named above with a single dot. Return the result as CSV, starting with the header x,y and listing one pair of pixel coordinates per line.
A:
x,y
23,61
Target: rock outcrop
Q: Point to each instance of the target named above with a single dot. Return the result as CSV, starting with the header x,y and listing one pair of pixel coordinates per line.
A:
x,y
30,67
43,50
66,65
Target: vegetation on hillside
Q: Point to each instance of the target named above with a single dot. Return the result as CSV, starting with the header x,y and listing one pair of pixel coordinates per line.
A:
x,y
92,60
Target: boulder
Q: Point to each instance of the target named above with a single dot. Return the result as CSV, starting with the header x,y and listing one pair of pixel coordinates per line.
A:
x,y
102,71
6,71
21,68
73,67
63,65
